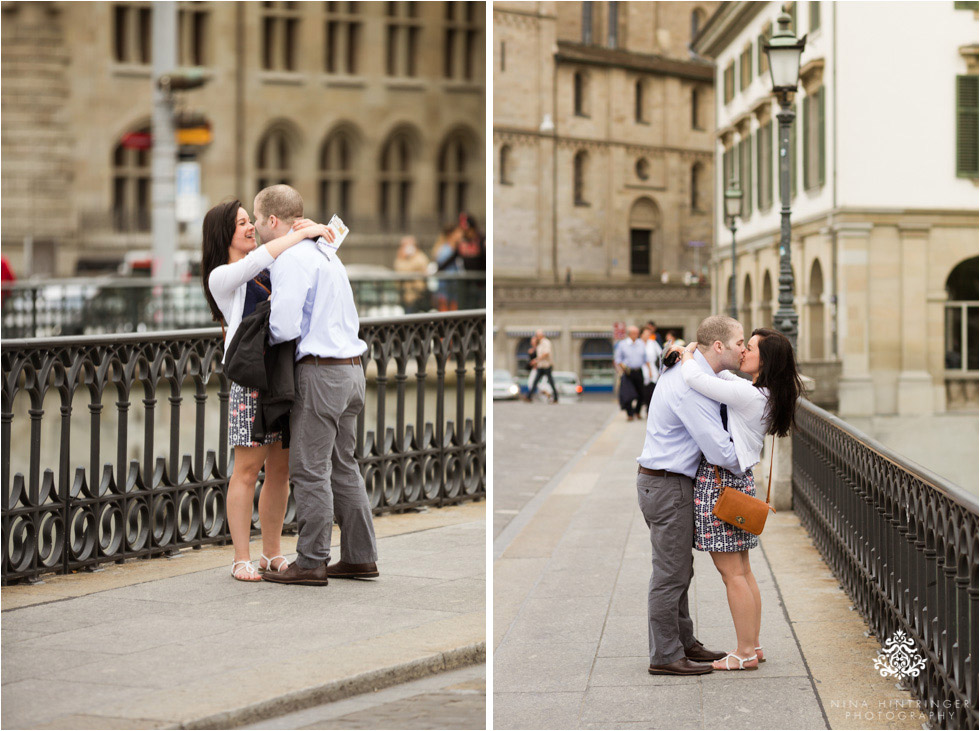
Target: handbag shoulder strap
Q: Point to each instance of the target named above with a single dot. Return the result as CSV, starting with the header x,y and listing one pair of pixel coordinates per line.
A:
x,y
718,478
772,455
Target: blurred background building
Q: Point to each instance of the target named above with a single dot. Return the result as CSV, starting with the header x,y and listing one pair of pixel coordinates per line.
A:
x,y
884,195
374,111
603,140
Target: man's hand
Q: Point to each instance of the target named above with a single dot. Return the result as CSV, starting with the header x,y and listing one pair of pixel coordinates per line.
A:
x,y
312,230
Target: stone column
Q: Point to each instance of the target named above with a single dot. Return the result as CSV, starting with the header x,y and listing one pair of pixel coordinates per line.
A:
x,y
854,319
915,391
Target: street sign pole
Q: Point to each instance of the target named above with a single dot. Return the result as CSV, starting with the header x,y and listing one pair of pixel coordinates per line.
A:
x,y
164,147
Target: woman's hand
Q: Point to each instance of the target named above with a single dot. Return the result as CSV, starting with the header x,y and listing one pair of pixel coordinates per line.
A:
x,y
688,352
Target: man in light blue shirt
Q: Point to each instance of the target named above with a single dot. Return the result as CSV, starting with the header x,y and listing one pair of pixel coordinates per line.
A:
x,y
681,426
629,357
312,303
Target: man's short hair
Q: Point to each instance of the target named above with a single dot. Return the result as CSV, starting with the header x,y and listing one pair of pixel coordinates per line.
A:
x,y
282,201
717,327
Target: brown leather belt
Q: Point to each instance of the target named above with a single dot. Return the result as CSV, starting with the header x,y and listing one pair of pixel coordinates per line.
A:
x,y
319,360
658,473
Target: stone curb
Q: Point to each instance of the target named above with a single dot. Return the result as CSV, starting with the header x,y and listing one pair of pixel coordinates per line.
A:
x,y
340,689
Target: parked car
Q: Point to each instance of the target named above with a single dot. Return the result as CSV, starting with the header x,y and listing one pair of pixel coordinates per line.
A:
x,y
567,383
504,386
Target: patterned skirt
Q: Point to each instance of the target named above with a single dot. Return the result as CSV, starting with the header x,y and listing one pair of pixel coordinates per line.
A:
x,y
241,416
710,533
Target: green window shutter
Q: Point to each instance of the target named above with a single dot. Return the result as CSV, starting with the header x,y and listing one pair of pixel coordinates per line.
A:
x,y
974,5
966,126
792,151
806,142
773,153
822,137
760,167
745,173
814,15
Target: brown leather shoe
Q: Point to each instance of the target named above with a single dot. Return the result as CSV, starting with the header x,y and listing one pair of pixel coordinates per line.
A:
x,y
296,575
681,667
341,570
699,653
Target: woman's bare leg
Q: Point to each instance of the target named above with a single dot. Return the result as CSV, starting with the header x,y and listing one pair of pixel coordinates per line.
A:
x,y
241,494
741,602
273,499
754,587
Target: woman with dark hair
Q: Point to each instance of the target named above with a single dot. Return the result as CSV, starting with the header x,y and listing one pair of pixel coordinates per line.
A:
x,y
235,280
766,405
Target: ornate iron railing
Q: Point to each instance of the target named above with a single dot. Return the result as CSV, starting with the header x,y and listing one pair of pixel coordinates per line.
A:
x,y
95,306
903,542
60,516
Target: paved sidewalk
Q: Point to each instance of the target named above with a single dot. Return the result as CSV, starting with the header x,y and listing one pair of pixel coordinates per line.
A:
x,y
570,637
179,643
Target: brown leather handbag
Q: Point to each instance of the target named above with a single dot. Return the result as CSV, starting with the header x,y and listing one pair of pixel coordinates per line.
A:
x,y
741,510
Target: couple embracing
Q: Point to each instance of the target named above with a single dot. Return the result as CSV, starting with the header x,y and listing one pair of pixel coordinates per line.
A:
x,y
311,305
705,430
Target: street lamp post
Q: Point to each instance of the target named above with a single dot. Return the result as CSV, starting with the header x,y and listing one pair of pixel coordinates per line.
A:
x,y
733,210
784,50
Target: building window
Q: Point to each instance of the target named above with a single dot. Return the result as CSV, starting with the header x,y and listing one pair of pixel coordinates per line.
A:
x,y
395,178
597,364
131,187
587,22
745,68
696,109
504,166
962,317
336,175
643,168
814,15
580,93
727,168
763,57
763,147
966,126
697,20
343,37
132,33
402,38
503,56
280,35
696,172
580,170
729,82
453,185
639,102
273,164
745,174
462,29
192,32
613,31
814,166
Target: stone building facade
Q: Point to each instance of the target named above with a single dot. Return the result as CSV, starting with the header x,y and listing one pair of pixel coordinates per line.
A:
x,y
375,111
603,138
883,186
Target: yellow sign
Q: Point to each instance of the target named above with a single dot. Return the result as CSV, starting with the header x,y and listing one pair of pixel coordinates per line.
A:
x,y
194,136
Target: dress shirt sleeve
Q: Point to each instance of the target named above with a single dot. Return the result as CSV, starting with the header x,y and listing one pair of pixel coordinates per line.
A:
x,y
224,280
736,392
702,419
290,285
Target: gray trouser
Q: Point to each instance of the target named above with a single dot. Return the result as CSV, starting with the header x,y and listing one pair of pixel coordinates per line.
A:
x,y
667,504
322,467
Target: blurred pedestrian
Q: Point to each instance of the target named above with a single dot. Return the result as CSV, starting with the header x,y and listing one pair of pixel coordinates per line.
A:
x,y
411,260
472,250
629,357
544,363
446,261
651,369
6,275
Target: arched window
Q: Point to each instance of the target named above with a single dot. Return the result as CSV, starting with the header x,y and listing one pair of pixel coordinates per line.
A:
x,y
580,170
695,109
581,90
395,177
963,317
765,303
274,161
639,111
746,314
815,312
336,175
131,182
696,186
504,166
453,183
598,372
644,228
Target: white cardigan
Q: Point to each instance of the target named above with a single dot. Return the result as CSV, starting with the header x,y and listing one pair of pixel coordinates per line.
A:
x,y
227,285
746,408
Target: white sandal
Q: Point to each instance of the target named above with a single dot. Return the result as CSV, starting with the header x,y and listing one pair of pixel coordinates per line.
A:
x,y
249,569
269,561
759,655
741,662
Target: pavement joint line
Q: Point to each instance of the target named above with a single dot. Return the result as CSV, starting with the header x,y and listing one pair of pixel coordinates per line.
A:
x,y
502,542
789,622
342,689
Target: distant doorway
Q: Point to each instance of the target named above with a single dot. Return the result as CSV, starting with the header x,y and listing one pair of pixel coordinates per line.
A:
x,y
640,250
644,223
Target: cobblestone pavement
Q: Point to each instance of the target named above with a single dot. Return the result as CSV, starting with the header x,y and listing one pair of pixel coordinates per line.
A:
x,y
453,700
532,442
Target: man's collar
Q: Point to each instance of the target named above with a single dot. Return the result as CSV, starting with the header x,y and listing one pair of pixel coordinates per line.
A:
x,y
703,362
